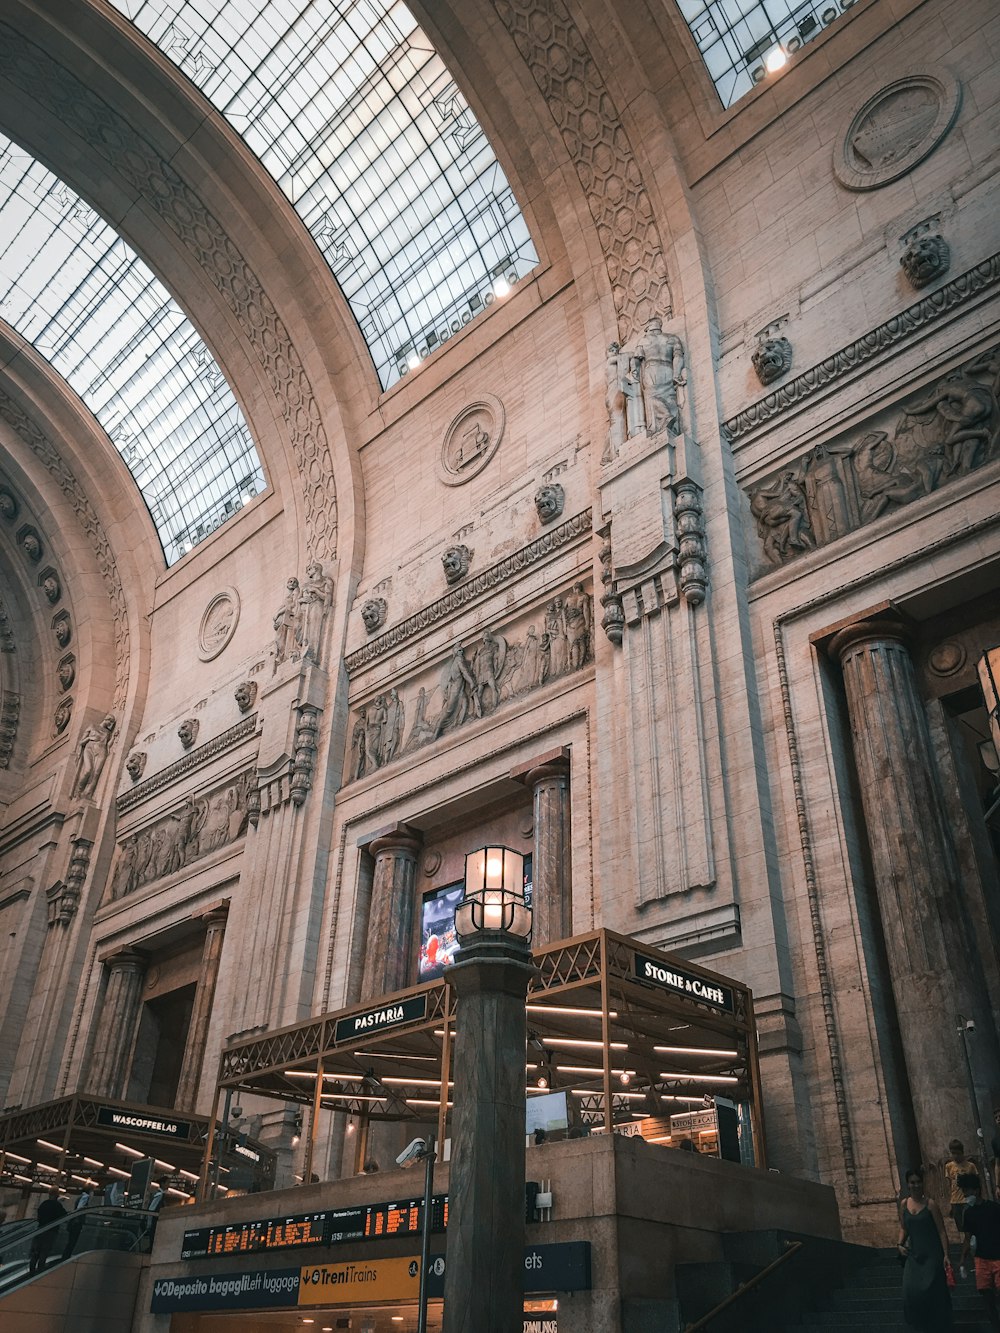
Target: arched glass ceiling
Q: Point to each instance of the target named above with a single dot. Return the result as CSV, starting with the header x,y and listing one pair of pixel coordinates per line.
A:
x,y
71,286
351,110
743,42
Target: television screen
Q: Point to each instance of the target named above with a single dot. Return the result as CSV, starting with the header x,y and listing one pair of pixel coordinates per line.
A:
x,y
438,941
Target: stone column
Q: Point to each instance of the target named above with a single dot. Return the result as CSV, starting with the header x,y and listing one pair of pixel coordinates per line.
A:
x,y
551,862
201,1013
934,961
117,1025
391,940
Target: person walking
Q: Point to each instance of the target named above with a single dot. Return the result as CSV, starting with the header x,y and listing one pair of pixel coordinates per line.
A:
x,y
75,1225
958,1165
982,1221
49,1210
924,1245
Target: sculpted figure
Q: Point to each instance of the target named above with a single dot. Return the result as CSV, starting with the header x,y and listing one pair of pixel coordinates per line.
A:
x,y
827,498
31,545
214,831
373,614
528,673
358,748
549,501
456,561
458,686
576,616
880,482
66,672
8,506
135,764
375,716
245,695
487,664
124,879
421,730
924,259
315,599
967,411
62,630
187,732
392,731
92,754
556,640
782,521
64,711
286,624
51,588
660,361
771,359
987,364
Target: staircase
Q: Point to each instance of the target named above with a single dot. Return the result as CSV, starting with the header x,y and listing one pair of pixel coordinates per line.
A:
x,y
873,1300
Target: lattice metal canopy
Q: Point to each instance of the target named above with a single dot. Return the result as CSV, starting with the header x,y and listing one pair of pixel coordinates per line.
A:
x,y
71,286
352,111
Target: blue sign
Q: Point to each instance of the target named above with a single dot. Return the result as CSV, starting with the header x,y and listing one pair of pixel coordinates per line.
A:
x,y
255,1290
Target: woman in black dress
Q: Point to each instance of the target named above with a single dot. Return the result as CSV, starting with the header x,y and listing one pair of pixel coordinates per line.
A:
x,y
922,1242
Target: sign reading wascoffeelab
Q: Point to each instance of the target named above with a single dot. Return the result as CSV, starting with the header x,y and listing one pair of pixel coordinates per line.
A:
x,y
142,1123
381,1018
684,983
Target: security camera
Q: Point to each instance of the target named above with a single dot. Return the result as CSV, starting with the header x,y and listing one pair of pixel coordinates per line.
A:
x,y
236,1113
412,1153
970,1025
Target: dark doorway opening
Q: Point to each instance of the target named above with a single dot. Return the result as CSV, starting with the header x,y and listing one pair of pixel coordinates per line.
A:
x,y
159,1051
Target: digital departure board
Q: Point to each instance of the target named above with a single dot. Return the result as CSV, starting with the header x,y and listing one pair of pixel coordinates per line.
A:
x,y
335,1226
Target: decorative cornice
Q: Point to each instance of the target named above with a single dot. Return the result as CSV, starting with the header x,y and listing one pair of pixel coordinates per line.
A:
x,y
193,759
855,354
470,591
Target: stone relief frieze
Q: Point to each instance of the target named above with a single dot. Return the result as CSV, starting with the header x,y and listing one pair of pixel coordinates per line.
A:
x,y
896,129
478,678
848,360
226,740
34,71
7,644
642,382
10,711
546,544
906,452
54,463
601,152
200,825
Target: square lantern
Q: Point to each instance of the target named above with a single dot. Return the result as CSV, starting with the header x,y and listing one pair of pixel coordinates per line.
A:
x,y
989,679
494,895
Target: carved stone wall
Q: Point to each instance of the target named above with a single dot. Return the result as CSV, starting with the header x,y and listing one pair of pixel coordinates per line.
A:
x,y
943,432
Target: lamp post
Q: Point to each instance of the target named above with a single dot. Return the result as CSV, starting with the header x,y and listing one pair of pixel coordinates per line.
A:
x,y
484,1273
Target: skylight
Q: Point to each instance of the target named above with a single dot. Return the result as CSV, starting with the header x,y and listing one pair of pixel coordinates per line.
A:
x,y
744,42
71,286
351,110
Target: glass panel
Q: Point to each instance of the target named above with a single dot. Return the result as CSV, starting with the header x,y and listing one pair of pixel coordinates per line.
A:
x,y
351,110
71,286
749,31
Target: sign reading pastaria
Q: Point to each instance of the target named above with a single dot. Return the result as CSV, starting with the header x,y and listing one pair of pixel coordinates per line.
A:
x,y
380,1018
688,984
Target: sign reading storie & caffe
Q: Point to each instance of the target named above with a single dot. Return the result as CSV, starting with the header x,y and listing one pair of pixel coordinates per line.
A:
x,y
138,1122
378,1020
683,983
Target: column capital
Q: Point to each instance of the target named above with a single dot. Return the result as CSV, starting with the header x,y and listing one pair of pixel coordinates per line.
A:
x,y
392,838
126,960
550,764
882,622
216,917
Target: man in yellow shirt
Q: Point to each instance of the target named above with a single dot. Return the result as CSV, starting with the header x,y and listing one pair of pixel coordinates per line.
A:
x,y
958,1165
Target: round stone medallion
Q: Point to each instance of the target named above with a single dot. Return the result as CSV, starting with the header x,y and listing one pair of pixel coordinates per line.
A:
x,y
947,658
896,128
471,440
218,623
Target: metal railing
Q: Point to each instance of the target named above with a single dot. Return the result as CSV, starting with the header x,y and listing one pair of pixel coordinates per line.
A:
x,y
792,1248
27,1249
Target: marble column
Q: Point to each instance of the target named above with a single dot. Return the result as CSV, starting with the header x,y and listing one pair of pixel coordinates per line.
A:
x,y
552,860
392,943
118,1024
201,1013
934,961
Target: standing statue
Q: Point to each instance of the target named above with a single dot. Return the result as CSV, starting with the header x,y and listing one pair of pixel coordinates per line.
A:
x,y
375,716
392,732
626,416
458,685
831,517
286,624
92,754
124,879
528,673
315,599
660,362
358,748
421,730
555,633
576,617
